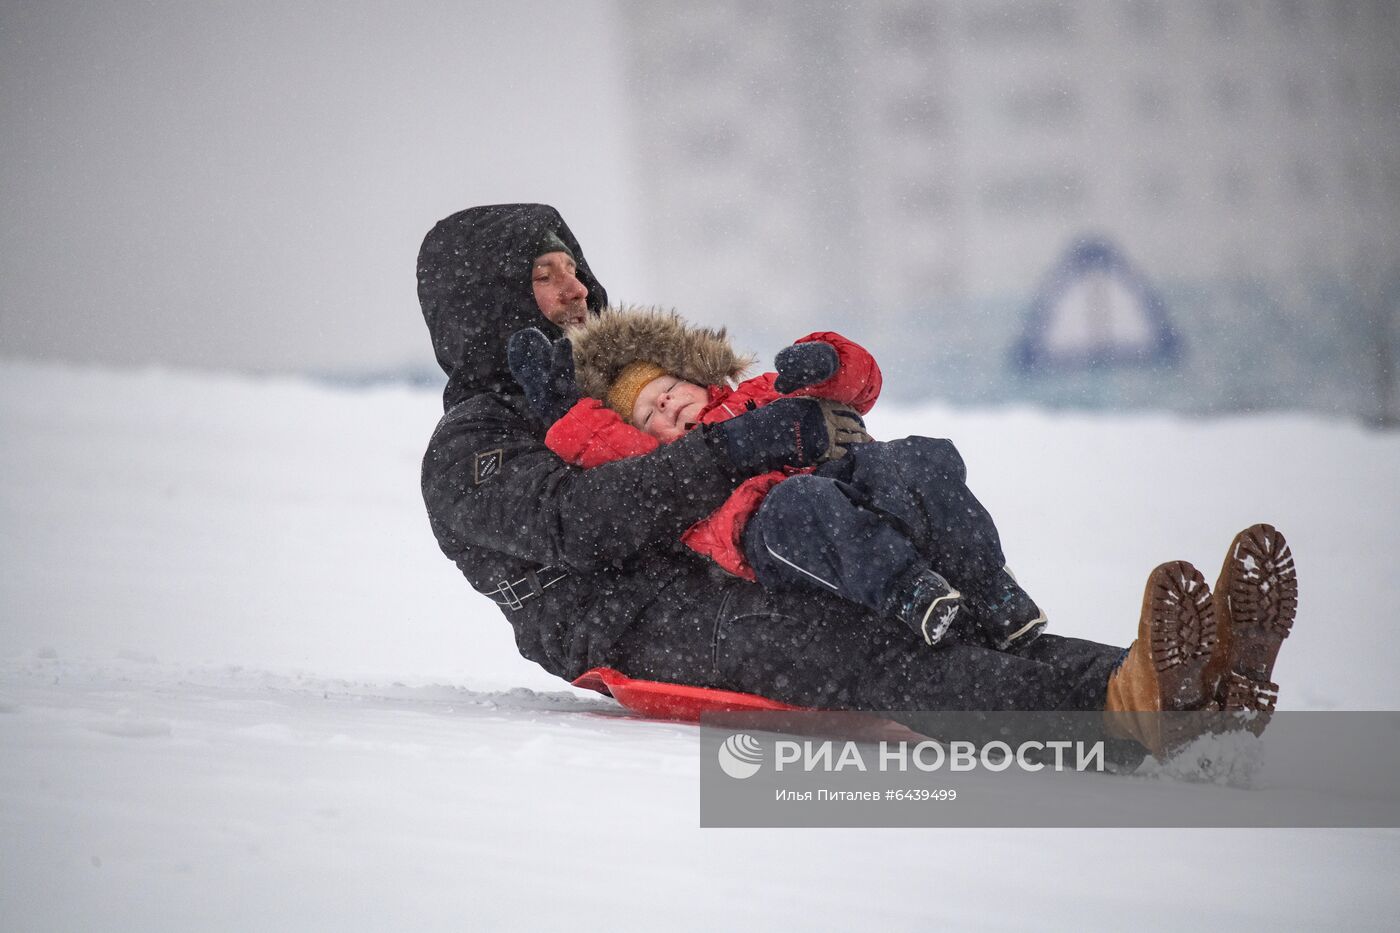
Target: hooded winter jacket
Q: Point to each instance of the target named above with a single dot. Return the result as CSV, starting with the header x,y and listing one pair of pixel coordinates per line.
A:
x,y
572,557
591,434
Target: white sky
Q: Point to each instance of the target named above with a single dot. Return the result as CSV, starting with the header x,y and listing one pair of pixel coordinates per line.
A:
x,y
246,184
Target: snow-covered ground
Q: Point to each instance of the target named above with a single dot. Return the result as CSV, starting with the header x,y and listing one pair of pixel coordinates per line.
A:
x,y
240,688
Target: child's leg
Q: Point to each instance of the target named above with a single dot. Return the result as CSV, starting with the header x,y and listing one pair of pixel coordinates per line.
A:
x,y
920,483
813,533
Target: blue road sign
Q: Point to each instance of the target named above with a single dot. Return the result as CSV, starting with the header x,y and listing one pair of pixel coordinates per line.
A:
x,y
1095,310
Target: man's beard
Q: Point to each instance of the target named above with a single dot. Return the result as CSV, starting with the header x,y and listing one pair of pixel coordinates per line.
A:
x,y
576,314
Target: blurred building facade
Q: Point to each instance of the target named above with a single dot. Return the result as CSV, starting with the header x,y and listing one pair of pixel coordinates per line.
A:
x,y
910,172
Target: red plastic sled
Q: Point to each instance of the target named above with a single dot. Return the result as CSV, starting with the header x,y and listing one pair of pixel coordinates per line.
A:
x,y
659,700
656,699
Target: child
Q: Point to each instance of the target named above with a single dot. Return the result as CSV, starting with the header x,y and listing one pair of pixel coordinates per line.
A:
x,y
871,526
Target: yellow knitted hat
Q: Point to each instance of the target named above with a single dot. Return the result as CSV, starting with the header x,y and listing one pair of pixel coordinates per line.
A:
x,y
622,394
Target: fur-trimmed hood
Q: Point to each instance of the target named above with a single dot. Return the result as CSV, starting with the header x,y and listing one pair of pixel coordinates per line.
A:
x,y
610,341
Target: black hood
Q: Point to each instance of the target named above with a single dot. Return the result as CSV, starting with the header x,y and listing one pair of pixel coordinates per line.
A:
x,y
474,285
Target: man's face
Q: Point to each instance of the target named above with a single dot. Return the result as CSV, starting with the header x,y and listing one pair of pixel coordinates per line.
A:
x,y
561,296
666,405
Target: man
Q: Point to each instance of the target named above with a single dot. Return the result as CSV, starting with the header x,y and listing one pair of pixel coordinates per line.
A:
x,y
586,566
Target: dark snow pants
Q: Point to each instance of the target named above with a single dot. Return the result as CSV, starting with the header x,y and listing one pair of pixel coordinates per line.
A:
x,y
860,526
813,649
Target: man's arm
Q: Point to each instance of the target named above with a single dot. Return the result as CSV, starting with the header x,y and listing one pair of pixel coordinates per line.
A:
x,y
489,482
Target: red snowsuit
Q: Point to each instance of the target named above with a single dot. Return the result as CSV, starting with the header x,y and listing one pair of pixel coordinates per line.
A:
x,y
591,434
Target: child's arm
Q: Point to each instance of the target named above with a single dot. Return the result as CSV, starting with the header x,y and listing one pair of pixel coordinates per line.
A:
x,y
856,381
591,434
719,535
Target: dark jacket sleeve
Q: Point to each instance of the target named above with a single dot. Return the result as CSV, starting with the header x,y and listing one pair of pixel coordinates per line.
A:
x,y
490,482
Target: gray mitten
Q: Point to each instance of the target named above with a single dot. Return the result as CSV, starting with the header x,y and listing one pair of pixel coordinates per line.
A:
x,y
545,371
805,364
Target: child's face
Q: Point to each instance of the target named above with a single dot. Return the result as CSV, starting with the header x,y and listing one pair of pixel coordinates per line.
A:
x,y
666,405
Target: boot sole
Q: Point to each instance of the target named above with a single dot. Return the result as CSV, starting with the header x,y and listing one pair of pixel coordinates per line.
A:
x,y
1258,592
1182,634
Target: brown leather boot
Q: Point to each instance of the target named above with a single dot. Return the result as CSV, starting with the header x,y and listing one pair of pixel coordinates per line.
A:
x,y
1165,668
1256,600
